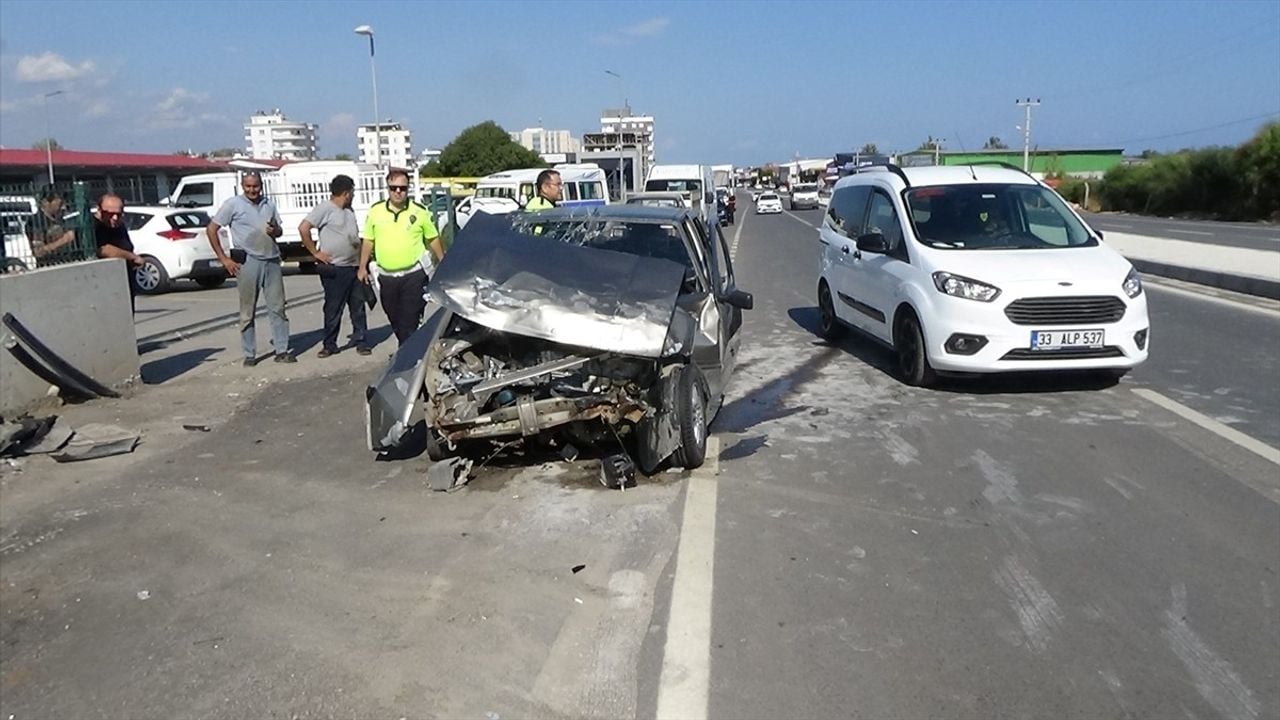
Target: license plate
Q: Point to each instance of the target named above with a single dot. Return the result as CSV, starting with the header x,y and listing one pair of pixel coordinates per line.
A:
x,y
1058,339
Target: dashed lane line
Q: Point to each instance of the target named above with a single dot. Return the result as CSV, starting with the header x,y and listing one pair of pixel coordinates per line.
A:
x,y
684,687
1258,447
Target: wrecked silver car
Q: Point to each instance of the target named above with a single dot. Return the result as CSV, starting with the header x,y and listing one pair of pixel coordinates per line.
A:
x,y
606,324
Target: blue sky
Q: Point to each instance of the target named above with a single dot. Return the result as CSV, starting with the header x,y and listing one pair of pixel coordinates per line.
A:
x,y
742,82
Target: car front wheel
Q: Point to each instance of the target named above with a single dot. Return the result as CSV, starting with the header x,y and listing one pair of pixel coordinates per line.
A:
x,y
913,361
691,413
829,325
151,277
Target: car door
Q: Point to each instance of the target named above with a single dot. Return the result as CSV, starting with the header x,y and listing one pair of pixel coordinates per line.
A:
x,y
876,275
843,222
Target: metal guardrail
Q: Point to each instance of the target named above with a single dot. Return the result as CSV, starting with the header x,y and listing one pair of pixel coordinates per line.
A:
x,y
37,219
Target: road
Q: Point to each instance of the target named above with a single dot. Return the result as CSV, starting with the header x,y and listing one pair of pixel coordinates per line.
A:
x,y
998,548
1258,236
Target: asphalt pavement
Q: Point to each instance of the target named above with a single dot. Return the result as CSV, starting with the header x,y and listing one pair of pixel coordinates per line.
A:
x,y
1008,547
1257,236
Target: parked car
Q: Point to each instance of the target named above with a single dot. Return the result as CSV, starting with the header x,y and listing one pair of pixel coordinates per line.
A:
x,y
173,246
804,196
587,325
657,199
769,202
976,269
15,211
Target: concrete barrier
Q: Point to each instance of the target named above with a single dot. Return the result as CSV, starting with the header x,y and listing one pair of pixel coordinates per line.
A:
x,y
82,312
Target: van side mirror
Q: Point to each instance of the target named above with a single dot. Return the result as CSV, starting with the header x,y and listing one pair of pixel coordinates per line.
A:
x,y
873,242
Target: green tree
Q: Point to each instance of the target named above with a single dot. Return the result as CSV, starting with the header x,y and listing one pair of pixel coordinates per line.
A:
x,y
870,149
343,156
995,143
929,144
431,169
40,144
484,149
1259,163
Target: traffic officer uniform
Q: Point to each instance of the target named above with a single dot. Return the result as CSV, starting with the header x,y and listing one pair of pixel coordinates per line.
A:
x,y
399,241
538,204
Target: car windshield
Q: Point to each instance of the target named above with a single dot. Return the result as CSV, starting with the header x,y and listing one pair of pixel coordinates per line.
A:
x,y
646,239
994,217
805,188
768,196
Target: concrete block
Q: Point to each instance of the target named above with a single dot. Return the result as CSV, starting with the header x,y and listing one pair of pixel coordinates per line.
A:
x,y
82,312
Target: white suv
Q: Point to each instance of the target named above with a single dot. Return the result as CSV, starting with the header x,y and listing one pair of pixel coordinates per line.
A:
x,y
976,269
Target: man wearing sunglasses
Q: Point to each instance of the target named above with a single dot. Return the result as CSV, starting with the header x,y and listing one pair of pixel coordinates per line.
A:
x,y
400,236
254,225
113,240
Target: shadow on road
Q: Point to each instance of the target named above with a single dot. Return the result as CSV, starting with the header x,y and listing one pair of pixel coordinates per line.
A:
x,y
162,371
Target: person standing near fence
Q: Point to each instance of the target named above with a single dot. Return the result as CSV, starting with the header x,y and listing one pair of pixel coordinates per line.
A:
x,y
254,225
398,232
113,241
53,239
337,259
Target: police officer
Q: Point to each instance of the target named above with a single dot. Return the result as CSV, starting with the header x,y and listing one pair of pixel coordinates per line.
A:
x,y
400,236
548,192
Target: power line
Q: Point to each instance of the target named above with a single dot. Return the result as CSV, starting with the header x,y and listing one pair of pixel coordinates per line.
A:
x,y
1273,113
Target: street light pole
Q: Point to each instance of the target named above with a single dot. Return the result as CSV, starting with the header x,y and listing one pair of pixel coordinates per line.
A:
x,y
937,147
1026,132
48,140
377,123
622,178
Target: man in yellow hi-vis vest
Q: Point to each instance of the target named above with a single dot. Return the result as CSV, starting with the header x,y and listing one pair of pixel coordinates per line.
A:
x,y
548,192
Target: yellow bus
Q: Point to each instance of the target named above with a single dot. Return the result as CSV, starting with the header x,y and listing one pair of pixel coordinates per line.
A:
x,y
459,187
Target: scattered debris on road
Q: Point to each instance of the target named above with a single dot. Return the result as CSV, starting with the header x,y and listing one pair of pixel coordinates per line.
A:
x,y
578,568
144,594
448,474
617,472
196,427
97,440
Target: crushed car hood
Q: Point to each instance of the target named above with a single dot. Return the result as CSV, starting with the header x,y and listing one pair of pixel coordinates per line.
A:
x,y
557,291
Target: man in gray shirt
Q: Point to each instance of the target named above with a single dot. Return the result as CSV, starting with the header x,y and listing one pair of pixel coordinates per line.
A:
x,y
254,225
337,260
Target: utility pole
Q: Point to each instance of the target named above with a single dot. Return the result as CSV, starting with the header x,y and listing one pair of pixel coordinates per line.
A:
x,y
48,140
937,149
377,122
1026,132
622,162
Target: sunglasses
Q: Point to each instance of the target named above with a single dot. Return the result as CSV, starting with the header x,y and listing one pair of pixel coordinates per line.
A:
x,y
111,213
398,188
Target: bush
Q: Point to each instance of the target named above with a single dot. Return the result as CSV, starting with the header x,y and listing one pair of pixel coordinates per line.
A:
x,y
1239,184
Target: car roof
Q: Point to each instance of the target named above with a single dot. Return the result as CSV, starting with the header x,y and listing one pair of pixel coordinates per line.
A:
x,y
637,212
938,175
656,195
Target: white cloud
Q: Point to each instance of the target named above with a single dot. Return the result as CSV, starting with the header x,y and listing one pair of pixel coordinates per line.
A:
x,y
631,33
341,121
181,109
51,67
97,109
12,106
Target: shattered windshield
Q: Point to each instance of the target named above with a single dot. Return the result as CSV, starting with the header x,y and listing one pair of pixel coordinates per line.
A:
x,y
659,240
994,217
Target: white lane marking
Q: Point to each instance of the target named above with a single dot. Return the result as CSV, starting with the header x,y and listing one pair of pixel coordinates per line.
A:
x,y
1189,232
1215,679
1274,310
684,688
1222,430
1117,226
799,219
737,235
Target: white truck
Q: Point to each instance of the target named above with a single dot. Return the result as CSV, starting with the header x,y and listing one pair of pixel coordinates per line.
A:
x,y
295,189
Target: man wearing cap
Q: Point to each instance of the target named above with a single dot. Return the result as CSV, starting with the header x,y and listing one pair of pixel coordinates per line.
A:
x,y
399,235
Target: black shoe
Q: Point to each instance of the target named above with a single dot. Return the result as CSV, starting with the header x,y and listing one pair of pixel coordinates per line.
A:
x,y
362,350
250,362
286,358
324,353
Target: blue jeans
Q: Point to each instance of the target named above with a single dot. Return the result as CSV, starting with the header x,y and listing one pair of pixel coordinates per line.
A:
x,y
262,277
341,289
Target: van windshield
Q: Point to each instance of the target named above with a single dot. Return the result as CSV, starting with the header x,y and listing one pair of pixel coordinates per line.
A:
x,y
805,188
994,217
693,187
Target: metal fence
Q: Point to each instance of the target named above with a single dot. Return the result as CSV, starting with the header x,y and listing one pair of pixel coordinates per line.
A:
x,y
47,225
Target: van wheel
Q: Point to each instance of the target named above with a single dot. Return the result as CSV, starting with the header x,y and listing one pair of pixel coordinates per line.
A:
x,y
829,325
151,277
691,413
913,361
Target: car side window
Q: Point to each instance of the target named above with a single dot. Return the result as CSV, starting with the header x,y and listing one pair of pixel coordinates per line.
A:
x,y
882,218
724,266
847,209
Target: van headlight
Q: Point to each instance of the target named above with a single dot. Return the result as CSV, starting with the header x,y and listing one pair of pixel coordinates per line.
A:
x,y
963,287
1132,283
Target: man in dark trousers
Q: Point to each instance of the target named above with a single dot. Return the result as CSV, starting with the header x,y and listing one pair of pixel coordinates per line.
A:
x,y
113,240
337,260
400,236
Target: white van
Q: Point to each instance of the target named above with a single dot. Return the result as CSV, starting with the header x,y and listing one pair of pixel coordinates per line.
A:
x,y
295,189
583,185
695,181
